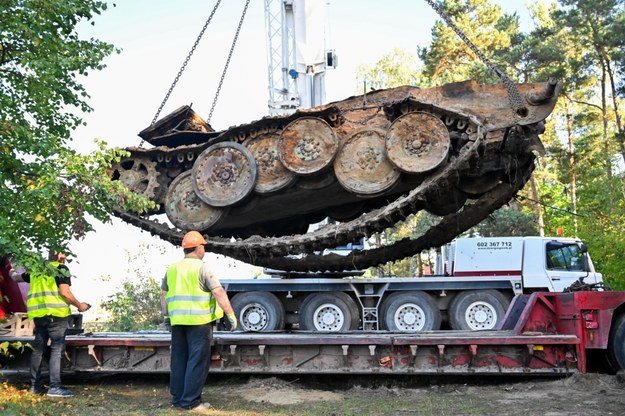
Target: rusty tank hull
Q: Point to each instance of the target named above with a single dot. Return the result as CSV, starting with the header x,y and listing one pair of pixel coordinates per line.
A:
x,y
457,151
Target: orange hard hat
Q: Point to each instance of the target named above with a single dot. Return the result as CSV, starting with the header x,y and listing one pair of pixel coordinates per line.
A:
x,y
193,239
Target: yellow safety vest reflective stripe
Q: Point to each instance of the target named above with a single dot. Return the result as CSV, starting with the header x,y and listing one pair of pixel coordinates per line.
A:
x,y
187,303
44,298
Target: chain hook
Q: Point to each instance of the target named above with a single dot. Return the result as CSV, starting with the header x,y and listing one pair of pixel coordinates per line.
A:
x,y
514,96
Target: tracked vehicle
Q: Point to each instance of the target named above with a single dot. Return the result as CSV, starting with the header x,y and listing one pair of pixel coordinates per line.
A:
x,y
458,151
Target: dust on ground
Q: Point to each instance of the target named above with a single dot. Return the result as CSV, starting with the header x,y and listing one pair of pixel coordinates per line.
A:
x,y
281,392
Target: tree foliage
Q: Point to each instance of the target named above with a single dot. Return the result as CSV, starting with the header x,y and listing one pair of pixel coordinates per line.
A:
x,y
47,189
393,70
137,305
580,180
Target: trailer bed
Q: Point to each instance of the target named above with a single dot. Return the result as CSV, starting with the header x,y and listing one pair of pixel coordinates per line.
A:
x,y
542,334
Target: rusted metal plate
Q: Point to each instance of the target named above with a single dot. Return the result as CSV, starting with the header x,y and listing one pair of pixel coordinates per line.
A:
x,y
307,145
186,210
272,176
417,142
362,167
224,174
182,120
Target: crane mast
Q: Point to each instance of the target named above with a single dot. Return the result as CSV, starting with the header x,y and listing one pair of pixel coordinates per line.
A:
x,y
296,55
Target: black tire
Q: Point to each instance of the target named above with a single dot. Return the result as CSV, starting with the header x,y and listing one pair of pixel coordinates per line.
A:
x,y
258,311
477,310
616,344
410,312
328,312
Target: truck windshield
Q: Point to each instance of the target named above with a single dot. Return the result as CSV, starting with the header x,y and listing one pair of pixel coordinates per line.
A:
x,y
564,257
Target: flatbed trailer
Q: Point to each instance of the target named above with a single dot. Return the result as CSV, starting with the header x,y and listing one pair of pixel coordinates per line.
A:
x,y
542,334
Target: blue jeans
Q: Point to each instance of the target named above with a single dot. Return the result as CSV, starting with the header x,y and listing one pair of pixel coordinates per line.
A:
x,y
48,328
190,359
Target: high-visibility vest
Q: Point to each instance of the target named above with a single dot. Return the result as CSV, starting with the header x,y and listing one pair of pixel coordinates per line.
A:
x,y
44,298
187,304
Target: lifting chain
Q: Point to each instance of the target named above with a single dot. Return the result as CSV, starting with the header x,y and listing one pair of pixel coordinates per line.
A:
x,y
223,74
514,96
184,65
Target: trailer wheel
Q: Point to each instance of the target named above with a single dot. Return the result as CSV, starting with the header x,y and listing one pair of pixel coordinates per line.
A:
x,y
616,344
258,311
477,309
410,312
328,312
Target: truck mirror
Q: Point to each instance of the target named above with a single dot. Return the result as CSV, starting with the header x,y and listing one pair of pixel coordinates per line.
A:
x,y
585,264
583,247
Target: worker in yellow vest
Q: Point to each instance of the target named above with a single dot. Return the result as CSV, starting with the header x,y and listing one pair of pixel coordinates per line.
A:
x,y
192,299
49,298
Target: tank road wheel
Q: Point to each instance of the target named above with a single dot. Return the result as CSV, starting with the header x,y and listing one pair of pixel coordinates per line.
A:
x,y
258,311
417,142
138,174
477,309
307,145
410,312
224,174
186,210
329,312
272,175
616,344
361,165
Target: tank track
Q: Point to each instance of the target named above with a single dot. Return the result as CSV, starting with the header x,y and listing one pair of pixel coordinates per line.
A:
x,y
279,253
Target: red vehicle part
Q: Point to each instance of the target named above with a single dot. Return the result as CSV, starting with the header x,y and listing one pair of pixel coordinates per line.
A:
x,y
543,333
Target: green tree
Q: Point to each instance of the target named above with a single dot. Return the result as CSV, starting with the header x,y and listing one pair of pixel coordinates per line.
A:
x,y
137,305
47,188
581,185
393,70
449,59
507,222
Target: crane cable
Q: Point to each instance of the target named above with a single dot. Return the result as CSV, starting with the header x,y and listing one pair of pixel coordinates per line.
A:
x,y
184,65
223,74
514,96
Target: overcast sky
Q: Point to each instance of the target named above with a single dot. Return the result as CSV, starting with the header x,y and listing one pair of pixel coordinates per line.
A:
x,y
156,35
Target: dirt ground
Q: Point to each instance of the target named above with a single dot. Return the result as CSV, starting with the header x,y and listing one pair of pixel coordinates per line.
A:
x,y
590,394
583,394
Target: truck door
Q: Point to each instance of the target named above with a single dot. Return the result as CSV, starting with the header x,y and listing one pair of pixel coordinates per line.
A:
x,y
564,264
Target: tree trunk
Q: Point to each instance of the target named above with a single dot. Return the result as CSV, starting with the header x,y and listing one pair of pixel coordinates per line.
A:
x,y
620,134
573,168
540,224
604,113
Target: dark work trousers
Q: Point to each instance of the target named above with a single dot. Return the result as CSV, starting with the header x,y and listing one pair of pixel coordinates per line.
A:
x,y
48,328
190,358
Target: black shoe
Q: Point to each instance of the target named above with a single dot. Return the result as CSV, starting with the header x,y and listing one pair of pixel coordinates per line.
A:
x,y
37,390
60,392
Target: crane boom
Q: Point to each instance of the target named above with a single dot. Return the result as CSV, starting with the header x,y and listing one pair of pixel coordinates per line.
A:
x,y
296,54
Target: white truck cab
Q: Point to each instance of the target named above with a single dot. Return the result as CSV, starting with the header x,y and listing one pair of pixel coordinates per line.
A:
x,y
543,263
